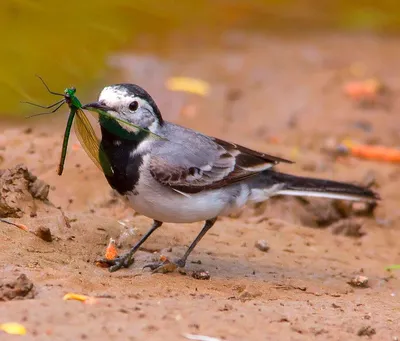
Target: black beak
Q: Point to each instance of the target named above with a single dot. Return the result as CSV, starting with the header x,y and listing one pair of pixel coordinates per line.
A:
x,y
96,106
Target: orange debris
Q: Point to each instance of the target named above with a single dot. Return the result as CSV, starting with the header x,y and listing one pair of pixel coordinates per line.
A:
x,y
111,251
379,153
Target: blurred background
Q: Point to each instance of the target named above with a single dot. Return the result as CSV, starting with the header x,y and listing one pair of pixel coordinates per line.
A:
x,y
81,43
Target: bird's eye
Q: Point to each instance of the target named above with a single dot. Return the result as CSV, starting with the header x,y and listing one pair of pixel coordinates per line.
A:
x,y
133,106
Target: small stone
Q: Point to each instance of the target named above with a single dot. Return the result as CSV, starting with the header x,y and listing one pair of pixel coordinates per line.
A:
x,y
359,282
366,331
202,274
262,245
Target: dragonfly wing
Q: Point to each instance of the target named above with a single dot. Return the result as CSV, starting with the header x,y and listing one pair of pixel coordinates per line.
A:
x,y
90,142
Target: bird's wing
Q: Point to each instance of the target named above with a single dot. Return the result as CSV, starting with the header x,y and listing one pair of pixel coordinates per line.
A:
x,y
205,163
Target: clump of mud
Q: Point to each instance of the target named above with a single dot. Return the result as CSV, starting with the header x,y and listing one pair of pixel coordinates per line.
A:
x,y
16,289
19,192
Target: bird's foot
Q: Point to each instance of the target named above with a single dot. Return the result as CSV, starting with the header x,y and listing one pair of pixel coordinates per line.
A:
x,y
164,265
124,261
117,263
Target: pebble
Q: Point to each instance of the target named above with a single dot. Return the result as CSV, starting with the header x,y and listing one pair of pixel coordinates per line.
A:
x,y
262,245
359,281
202,274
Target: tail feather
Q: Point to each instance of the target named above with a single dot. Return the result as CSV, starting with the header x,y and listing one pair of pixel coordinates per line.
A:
x,y
303,186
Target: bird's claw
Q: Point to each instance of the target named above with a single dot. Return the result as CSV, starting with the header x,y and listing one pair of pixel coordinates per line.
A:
x,y
161,267
115,264
165,265
122,262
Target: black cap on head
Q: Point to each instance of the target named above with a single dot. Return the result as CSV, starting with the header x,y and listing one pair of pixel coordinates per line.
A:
x,y
136,90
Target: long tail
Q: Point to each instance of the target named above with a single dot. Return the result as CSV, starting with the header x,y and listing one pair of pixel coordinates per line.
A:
x,y
302,186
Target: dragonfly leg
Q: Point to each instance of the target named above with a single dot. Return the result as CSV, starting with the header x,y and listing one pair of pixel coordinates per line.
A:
x,y
50,112
52,92
43,106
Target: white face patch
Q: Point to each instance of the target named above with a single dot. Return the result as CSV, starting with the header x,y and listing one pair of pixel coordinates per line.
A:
x,y
119,99
114,97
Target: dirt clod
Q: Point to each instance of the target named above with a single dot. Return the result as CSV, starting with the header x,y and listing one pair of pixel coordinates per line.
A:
x,y
366,331
44,233
18,189
16,289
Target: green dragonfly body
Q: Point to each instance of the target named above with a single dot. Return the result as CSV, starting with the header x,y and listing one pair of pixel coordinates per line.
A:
x,y
74,105
84,130
85,133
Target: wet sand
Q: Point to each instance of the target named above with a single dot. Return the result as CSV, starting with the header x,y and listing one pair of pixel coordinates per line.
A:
x,y
278,95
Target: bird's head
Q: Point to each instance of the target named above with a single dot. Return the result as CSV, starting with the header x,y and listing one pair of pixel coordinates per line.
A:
x,y
130,103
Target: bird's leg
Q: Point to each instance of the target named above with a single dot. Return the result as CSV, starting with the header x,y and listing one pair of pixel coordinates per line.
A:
x,y
126,260
169,266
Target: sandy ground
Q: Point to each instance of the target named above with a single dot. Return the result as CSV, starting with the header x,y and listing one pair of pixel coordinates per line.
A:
x,y
279,95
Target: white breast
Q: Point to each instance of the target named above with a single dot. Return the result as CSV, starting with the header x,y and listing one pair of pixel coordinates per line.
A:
x,y
161,203
168,206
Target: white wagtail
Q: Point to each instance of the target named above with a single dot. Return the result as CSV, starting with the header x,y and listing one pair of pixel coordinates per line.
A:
x,y
188,176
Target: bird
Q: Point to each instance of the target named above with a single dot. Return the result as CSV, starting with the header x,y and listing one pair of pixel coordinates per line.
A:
x,y
173,174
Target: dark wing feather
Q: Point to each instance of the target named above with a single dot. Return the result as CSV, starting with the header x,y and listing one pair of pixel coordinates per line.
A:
x,y
250,154
209,164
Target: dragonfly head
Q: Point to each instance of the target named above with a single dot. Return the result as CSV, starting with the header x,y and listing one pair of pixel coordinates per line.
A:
x,y
70,92
130,103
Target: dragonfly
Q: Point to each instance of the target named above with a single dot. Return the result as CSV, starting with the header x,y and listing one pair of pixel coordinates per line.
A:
x,y
83,129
